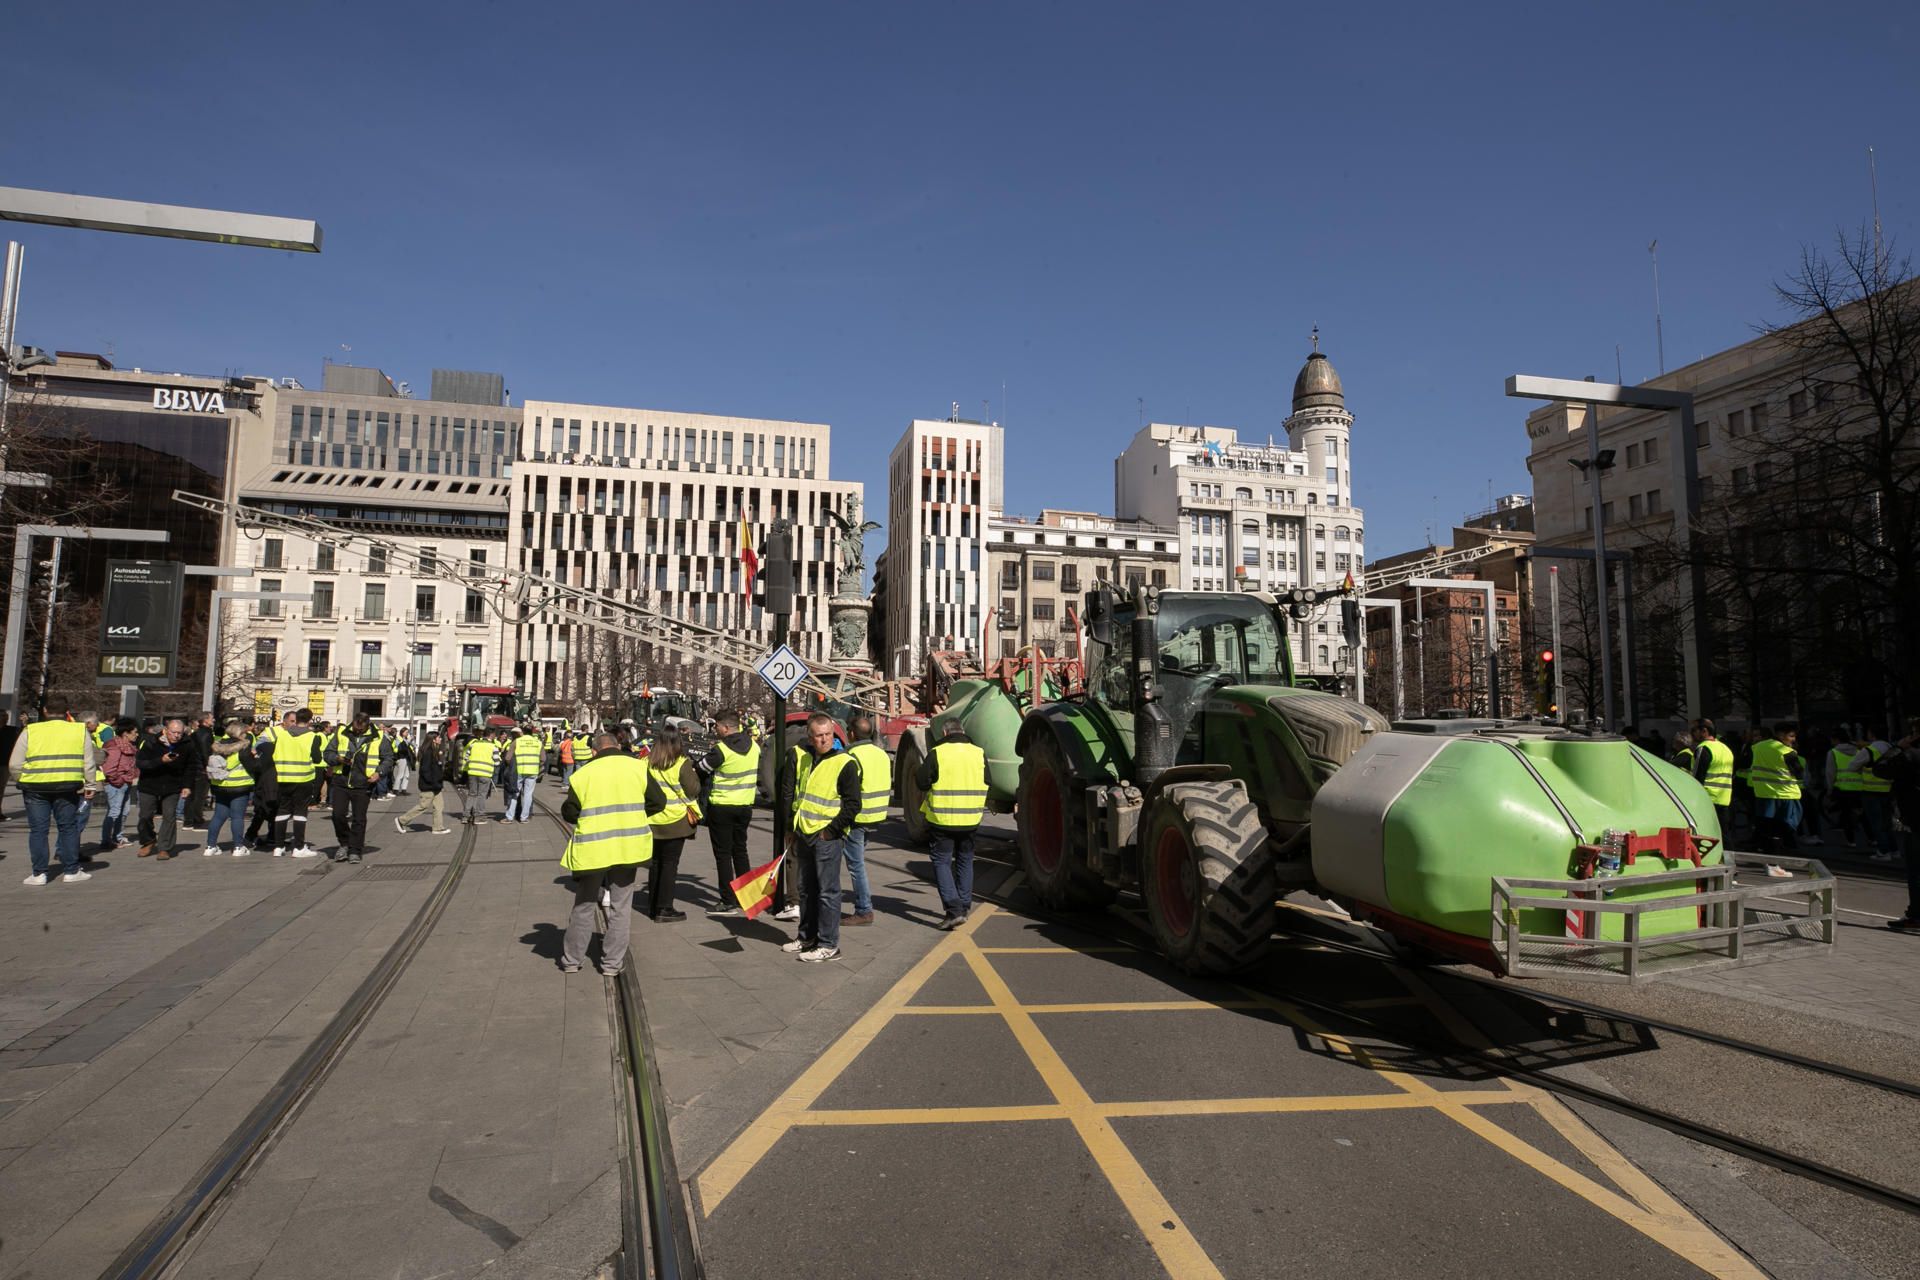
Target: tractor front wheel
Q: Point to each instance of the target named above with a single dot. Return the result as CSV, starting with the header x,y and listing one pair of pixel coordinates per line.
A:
x,y
919,830
1208,881
1053,831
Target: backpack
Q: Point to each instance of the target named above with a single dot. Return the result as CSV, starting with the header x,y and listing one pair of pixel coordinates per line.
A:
x,y
217,769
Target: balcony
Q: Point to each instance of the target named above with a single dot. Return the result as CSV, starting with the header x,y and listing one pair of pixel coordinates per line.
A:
x,y
372,615
324,614
475,618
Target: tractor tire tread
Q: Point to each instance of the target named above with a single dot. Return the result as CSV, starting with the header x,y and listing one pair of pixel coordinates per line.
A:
x,y
1237,908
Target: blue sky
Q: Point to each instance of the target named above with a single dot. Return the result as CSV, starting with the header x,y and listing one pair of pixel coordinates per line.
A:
x,y
860,214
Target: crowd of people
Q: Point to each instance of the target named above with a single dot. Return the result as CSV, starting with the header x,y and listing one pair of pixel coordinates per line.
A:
x,y
1779,787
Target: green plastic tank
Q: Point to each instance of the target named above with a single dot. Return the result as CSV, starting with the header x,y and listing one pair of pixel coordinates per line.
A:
x,y
1417,825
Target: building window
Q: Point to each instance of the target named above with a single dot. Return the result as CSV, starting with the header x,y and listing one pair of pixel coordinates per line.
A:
x,y
323,558
1757,415
369,659
1650,450
1736,423
319,658
475,609
323,599
271,550
469,662
1321,652
1043,611
429,561
1703,432
1796,404
376,559
1009,576
1653,502
1739,479
1634,508
422,662
268,608
477,562
1070,579
1043,572
423,601
376,602
266,658
1633,455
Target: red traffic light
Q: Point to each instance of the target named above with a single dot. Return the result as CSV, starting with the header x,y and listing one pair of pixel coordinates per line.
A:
x,y
1546,655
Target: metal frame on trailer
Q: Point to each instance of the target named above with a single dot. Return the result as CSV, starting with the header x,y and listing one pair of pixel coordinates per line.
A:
x,y
1737,925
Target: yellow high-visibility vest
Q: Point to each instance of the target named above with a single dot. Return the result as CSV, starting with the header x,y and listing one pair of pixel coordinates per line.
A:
x,y
737,778
817,797
482,755
291,768
1719,780
679,805
526,756
56,756
1770,777
612,830
958,797
876,782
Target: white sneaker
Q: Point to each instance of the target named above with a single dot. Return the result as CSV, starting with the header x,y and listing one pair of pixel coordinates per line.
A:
x,y
35,880
241,851
400,826
787,913
282,852
76,876
211,851
304,852
796,947
818,954
443,831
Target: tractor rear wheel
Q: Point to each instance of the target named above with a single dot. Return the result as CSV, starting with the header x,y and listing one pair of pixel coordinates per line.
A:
x,y
1208,881
919,830
1052,823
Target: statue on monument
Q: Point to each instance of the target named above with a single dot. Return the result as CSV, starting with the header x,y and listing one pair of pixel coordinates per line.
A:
x,y
853,559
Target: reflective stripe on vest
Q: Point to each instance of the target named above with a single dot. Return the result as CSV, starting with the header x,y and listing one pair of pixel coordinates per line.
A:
x,y
292,769
1845,779
237,779
958,797
678,805
737,778
56,756
1719,780
345,744
526,756
817,797
612,830
876,782
1771,780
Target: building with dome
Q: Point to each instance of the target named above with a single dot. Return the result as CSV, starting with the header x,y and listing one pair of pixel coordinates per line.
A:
x,y
1259,516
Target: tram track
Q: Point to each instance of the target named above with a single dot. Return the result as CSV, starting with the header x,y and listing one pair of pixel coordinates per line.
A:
x,y
1123,924
657,1231
169,1236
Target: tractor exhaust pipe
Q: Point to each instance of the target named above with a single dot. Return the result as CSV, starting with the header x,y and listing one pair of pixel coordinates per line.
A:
x,y
1153,746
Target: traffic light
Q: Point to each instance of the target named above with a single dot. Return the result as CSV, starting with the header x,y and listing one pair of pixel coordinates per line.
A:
x,y
773,584
1545,694
1350,620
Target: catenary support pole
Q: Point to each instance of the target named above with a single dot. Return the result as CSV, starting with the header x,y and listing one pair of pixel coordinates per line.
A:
x,y
1559,680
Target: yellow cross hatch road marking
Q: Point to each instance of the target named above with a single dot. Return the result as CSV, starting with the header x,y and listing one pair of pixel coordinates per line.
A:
x,y
1634,1199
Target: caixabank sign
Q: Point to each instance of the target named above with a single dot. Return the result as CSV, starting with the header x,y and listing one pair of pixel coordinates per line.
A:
x,y
140,622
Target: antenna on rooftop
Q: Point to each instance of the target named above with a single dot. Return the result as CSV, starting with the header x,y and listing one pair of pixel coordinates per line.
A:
x,y
1659,336
1873,180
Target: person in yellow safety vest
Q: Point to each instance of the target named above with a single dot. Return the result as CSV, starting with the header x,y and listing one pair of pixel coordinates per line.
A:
x,y
478,759
953,783
266,791
358,756
295,752
732,768
1775,777
578,750
528,756
825,798
876,793
610,802
1871,794
1713,769
679,783
53,766
232,784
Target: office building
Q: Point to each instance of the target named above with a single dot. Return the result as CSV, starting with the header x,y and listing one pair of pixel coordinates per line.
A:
x,y
1258,516
1041,569
944,482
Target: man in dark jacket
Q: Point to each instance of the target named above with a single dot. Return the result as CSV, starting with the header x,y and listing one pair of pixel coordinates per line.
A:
x,y
357,757
200,743
166,764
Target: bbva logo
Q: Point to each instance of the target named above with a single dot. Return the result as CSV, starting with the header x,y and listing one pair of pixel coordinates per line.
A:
x,y
188,400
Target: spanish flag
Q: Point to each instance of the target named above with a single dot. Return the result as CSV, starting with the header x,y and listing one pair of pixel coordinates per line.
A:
x,y
754,890
747,556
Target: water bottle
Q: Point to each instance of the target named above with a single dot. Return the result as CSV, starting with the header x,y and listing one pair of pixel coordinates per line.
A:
x,y
1612,845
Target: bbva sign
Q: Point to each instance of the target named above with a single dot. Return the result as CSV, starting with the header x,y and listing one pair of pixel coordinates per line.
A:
x,y
187,400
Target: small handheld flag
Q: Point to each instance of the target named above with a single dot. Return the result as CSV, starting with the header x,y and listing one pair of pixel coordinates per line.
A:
x,y
754,890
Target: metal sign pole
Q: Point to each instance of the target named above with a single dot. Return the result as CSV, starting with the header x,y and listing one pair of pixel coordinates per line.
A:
x,y
1559,679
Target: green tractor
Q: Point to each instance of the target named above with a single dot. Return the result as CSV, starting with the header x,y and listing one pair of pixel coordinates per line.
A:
x,y
1186,772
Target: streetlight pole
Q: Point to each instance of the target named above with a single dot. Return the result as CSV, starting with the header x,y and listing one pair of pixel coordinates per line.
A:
x,y
1594,466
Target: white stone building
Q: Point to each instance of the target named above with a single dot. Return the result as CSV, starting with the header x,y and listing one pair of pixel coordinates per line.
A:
x,y
1266,516
945,482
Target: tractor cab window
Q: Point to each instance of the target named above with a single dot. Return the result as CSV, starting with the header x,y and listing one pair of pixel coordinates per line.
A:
x,y
1232,639
1112,664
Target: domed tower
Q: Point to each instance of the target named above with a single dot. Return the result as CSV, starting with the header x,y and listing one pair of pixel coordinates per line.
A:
x,y
1319,426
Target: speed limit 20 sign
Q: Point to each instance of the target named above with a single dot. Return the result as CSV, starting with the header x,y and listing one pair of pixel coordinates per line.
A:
x,y
782,669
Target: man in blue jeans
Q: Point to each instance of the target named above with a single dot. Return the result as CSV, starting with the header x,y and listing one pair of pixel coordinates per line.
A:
x,y
52,765
876,792
826,799
953,782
